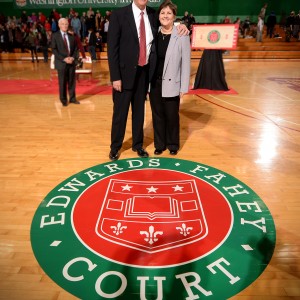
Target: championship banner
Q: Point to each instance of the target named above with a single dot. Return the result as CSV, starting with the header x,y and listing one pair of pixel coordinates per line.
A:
x,y
215,36
40,4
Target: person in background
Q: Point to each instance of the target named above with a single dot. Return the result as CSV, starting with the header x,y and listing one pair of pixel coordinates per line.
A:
x,y
54,25
24,17
238,21
170,81
296,29
227,20
289,26
76,24
271,22
20,36
98,41
47,25
83,20
80,47
65,53
105,29
259,31
192,19
90,23
262,12
42,18
246,27
71,14
107,15
3,38
34,18
54,14
90,13
98,20
186,19
10,26
43,43
92,44
32,41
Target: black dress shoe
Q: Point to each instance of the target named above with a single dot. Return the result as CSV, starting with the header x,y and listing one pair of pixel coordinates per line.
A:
x,y
173,152
114,155
141,152
75,102
158,152
64,103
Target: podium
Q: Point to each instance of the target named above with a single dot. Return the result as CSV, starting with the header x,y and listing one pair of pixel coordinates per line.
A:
x,y
214,39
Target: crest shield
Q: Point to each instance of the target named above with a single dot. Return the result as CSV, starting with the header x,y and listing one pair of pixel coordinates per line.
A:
x,y
152,216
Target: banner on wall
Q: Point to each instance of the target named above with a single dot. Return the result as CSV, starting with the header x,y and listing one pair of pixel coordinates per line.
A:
x,y
215,36
36,4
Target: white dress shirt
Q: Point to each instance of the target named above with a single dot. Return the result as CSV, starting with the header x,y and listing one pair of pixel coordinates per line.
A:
x,y
149,35
67,38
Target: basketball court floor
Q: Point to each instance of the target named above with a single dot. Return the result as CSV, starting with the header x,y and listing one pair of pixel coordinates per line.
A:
x,y
252,133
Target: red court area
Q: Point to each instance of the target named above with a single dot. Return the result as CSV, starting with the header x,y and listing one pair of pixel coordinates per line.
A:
x,y
84,87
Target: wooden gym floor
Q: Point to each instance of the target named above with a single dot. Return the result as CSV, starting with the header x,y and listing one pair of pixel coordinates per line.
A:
x,y
254,136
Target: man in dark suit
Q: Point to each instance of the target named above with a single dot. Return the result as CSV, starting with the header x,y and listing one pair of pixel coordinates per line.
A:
x,y
92,40
64,48
129,76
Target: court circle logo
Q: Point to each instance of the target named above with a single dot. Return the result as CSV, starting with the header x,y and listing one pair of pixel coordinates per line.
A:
x,y
213,36
154,228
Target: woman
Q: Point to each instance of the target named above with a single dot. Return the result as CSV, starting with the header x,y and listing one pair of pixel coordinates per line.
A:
x,y
32,41
170,80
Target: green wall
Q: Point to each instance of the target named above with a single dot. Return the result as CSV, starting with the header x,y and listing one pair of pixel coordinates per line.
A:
x,y
205,11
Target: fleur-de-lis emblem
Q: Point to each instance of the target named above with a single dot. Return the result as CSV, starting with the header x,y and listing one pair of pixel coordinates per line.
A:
x,y
118,229
151,235
184,230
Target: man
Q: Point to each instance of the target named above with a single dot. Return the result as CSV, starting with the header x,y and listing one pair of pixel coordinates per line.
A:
x,y
262,12
186,19
76,24
92,39
271,22
64,49
129,71
129,77
296,31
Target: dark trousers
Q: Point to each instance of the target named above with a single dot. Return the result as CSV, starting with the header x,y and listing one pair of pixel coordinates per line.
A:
x,y
270,31
92,51
67,81
122,100
45,53
33,53
165,117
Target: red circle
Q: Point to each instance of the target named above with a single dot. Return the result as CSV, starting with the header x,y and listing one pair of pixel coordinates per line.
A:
x,y
200,206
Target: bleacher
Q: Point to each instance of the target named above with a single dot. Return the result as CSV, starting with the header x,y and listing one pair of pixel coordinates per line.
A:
x,y
268,49
247,48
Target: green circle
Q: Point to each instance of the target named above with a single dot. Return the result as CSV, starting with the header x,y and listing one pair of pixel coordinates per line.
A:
x,y
220,275
213,32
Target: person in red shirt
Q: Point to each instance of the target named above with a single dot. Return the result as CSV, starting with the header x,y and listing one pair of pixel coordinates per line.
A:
x,y
47,25
42,18
55,14
77,41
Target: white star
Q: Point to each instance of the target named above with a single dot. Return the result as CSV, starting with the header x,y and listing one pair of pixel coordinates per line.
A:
x,y
152,189
126,187
177,188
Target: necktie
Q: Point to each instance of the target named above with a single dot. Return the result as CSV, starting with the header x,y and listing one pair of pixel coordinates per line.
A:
x,y
66,43
142,57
